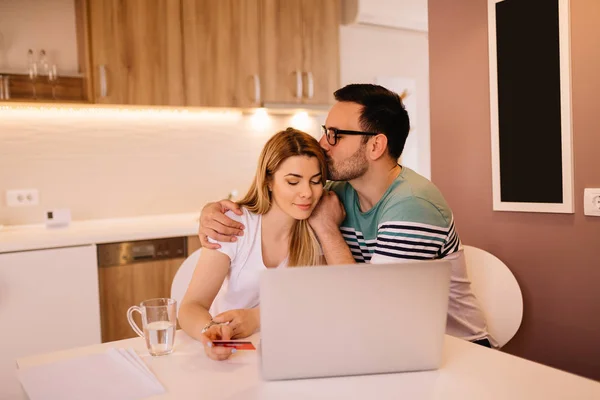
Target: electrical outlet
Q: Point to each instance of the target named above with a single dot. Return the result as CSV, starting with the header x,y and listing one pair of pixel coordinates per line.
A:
x,y
22,197
591,202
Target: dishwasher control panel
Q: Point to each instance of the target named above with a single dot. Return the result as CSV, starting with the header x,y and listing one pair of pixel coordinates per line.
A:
x,y
123,253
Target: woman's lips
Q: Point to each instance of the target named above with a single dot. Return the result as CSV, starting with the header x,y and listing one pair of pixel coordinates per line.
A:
x,y
303,207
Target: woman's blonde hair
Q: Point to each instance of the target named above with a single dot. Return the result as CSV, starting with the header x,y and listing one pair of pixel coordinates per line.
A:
x,y
304,247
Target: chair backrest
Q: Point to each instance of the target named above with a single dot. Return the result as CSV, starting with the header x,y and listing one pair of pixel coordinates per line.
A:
x,y
182,280
497,291
183,277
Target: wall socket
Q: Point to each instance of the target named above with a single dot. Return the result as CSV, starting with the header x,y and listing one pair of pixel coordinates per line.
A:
x,y
22,197
591,202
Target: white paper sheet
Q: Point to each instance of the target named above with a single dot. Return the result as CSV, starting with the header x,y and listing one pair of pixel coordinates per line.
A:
x,y
117,374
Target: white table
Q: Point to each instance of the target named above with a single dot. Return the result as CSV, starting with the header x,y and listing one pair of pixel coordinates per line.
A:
x,y
469,372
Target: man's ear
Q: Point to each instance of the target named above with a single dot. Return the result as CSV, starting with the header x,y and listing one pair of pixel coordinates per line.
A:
x,y
377,147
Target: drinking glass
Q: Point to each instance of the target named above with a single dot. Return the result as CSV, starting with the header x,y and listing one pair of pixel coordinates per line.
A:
x,y
159,322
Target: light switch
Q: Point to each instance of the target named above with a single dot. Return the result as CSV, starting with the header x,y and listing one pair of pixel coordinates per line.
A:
x,y
591,202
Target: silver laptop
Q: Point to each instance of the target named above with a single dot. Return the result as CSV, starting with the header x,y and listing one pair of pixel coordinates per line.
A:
x,y
353,319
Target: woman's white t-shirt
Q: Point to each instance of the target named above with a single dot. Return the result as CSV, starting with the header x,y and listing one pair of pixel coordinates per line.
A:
x,y
241,287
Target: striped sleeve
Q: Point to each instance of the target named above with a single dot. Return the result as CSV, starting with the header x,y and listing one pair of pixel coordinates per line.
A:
x,y
361,249
400,239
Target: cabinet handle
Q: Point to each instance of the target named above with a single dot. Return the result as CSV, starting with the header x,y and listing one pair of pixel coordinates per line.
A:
x,y
1,87
6,87
256,89
298,85
103,83
311,85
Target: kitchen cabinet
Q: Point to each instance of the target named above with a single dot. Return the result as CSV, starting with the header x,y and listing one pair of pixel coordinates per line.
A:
x,y
48,302
136,52
300,50
207,53
320,50
124,286
245,53
193,244
217,53
221,53
131,272
281,42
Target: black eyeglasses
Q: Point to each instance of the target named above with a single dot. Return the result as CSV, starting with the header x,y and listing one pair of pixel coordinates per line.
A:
x,y
332,134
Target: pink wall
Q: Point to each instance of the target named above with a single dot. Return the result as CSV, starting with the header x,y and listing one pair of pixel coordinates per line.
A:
x,y
555,258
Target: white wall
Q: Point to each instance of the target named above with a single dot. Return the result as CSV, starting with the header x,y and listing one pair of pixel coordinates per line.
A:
x,y
368,52
116,163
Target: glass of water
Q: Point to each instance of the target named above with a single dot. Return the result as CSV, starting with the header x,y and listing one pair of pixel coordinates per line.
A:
x,y
159,320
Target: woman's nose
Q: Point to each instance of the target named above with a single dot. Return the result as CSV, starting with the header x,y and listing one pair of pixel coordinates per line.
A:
x,y
306,191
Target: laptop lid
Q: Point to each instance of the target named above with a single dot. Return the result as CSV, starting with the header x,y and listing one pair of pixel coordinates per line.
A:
x,y
353,319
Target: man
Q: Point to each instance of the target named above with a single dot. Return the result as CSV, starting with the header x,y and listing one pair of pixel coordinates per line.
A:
x,y
376,210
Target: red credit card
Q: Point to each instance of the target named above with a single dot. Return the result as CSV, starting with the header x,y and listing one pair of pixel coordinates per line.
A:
x,y
236,344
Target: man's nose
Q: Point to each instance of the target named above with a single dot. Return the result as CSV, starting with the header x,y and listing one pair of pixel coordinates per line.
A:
x,y
323,142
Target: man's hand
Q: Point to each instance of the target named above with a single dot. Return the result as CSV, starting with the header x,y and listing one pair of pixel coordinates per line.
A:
x,y
216,225
217,332
328,214
243,323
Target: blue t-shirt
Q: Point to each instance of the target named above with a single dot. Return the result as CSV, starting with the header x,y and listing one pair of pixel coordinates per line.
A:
x,y
411,221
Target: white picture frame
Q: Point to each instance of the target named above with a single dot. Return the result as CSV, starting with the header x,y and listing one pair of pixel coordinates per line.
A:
x,y
566,118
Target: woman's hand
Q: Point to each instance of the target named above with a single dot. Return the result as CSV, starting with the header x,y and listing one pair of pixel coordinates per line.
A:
x,y
217,332
243,322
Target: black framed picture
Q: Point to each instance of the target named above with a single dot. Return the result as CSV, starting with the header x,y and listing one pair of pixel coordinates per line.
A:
x,y
530,104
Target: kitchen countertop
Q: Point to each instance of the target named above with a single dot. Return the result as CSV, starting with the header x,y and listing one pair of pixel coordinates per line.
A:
x,y
31,237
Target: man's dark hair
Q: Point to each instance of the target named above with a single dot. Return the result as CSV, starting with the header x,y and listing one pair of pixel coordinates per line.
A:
x,y
382,112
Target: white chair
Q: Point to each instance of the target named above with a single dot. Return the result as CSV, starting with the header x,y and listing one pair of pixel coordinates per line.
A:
x,y
182,280
497,291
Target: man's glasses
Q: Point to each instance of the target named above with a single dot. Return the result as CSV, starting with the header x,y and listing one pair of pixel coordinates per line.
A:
x,y
332,134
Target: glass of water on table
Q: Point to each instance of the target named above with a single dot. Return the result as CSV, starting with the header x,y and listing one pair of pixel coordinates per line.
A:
x,y
159,321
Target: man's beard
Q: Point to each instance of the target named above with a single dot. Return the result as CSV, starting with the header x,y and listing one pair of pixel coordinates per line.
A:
x,y
353,167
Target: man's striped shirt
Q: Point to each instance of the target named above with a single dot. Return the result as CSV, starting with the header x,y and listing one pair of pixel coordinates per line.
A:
x,y
411,221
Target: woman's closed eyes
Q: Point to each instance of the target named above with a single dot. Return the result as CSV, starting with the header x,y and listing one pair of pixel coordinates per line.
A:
x,y
294,183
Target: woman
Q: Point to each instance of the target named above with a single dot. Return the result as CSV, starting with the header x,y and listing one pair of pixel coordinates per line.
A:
x,y
288,185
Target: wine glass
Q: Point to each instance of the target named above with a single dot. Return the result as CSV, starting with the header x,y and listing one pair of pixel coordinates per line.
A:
x,y
33,71
52,78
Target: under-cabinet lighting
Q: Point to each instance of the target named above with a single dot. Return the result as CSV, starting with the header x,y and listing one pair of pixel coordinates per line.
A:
x,y
301,121
130,113
260,119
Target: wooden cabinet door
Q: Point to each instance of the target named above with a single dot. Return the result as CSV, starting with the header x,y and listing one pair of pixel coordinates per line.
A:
x,y
221,52
136,51
281,44
124,286
321,54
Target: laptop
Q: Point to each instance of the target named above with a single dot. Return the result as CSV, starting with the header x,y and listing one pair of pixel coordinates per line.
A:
x,y
354,319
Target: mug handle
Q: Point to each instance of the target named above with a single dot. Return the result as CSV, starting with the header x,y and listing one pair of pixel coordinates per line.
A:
x,y
132,322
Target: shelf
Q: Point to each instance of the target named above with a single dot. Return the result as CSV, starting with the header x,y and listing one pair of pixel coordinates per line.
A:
x,y
66,89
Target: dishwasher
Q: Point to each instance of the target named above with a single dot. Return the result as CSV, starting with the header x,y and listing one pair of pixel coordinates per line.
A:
x,y
131,272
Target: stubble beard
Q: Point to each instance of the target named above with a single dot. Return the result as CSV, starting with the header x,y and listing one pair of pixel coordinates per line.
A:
x,y
351,168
